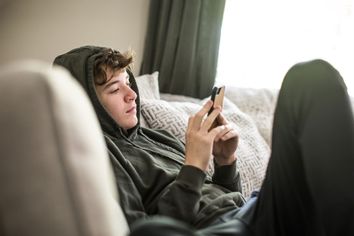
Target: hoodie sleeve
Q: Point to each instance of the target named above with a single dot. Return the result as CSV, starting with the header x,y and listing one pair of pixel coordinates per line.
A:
x,y
181,199
227,176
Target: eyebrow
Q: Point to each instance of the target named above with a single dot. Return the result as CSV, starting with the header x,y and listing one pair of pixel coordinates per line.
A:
x,y
113,82
110,83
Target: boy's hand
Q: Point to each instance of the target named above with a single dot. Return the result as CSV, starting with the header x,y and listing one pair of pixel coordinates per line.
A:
x,y
225,143
200,138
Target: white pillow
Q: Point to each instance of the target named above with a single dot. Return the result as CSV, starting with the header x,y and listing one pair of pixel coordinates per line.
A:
x,y
148,86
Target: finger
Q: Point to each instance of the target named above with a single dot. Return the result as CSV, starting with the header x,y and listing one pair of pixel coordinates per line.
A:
x,y
198,117
208,122
229,135
190,123
215,131
222,119
223,132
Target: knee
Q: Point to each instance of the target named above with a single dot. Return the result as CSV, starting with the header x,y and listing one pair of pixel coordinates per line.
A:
x,y
316,65
316,73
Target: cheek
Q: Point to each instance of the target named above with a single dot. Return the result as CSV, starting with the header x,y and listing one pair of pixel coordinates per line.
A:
x,y
116,109
113,106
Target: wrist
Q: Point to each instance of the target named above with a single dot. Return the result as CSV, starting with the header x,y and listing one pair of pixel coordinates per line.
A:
x,y
200,164
223,161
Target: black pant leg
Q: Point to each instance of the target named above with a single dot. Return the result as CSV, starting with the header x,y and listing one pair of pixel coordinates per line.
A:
x,y
308,188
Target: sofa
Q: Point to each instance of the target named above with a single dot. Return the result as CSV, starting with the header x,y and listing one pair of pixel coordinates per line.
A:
x,y
55,174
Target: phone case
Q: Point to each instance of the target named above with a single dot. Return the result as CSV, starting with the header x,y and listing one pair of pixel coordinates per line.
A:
x,y
217,96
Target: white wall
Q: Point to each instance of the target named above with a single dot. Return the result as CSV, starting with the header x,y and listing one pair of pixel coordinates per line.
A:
x,y
43,29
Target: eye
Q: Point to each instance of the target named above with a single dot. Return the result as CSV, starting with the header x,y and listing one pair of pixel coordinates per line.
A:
x,y
114,91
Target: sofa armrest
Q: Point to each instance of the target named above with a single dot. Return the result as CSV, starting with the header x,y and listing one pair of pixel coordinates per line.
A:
x,y
55,174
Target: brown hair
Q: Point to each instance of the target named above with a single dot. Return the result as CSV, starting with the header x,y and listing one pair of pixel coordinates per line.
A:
x,y
110,59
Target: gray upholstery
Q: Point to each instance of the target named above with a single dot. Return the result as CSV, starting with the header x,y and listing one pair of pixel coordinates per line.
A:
x,y
55,175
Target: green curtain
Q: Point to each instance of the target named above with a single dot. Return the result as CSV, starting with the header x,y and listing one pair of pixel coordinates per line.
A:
x,y
182,43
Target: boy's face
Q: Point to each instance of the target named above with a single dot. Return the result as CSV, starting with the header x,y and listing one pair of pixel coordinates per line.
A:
x,y
118,98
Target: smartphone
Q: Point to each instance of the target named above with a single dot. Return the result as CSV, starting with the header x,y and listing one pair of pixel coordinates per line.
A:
x,y
217,96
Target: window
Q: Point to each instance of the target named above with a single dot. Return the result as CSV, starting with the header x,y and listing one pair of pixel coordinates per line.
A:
x,y
261,40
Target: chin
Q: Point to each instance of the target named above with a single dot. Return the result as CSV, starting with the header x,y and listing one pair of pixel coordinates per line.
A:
x,y
133,124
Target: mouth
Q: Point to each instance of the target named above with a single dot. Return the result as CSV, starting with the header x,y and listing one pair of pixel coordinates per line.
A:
x,y
131,110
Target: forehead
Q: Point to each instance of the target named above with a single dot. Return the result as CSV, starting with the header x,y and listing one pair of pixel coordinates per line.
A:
x,y
110,72
116,76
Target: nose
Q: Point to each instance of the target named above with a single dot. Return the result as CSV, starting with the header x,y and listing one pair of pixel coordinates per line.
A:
x,y
130,95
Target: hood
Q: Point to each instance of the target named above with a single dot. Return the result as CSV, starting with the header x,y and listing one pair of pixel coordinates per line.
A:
x,y
80,63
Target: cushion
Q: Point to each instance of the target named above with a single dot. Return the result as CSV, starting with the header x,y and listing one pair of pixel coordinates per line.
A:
x,y
252,152
148,86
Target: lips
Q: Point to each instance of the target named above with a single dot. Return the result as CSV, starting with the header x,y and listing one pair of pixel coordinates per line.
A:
x,y
131,110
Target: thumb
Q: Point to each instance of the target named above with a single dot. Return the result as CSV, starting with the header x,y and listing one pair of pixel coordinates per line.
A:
x,y
215,131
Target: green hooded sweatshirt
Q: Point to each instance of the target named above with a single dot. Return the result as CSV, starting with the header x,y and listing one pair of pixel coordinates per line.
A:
x,y
149,169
